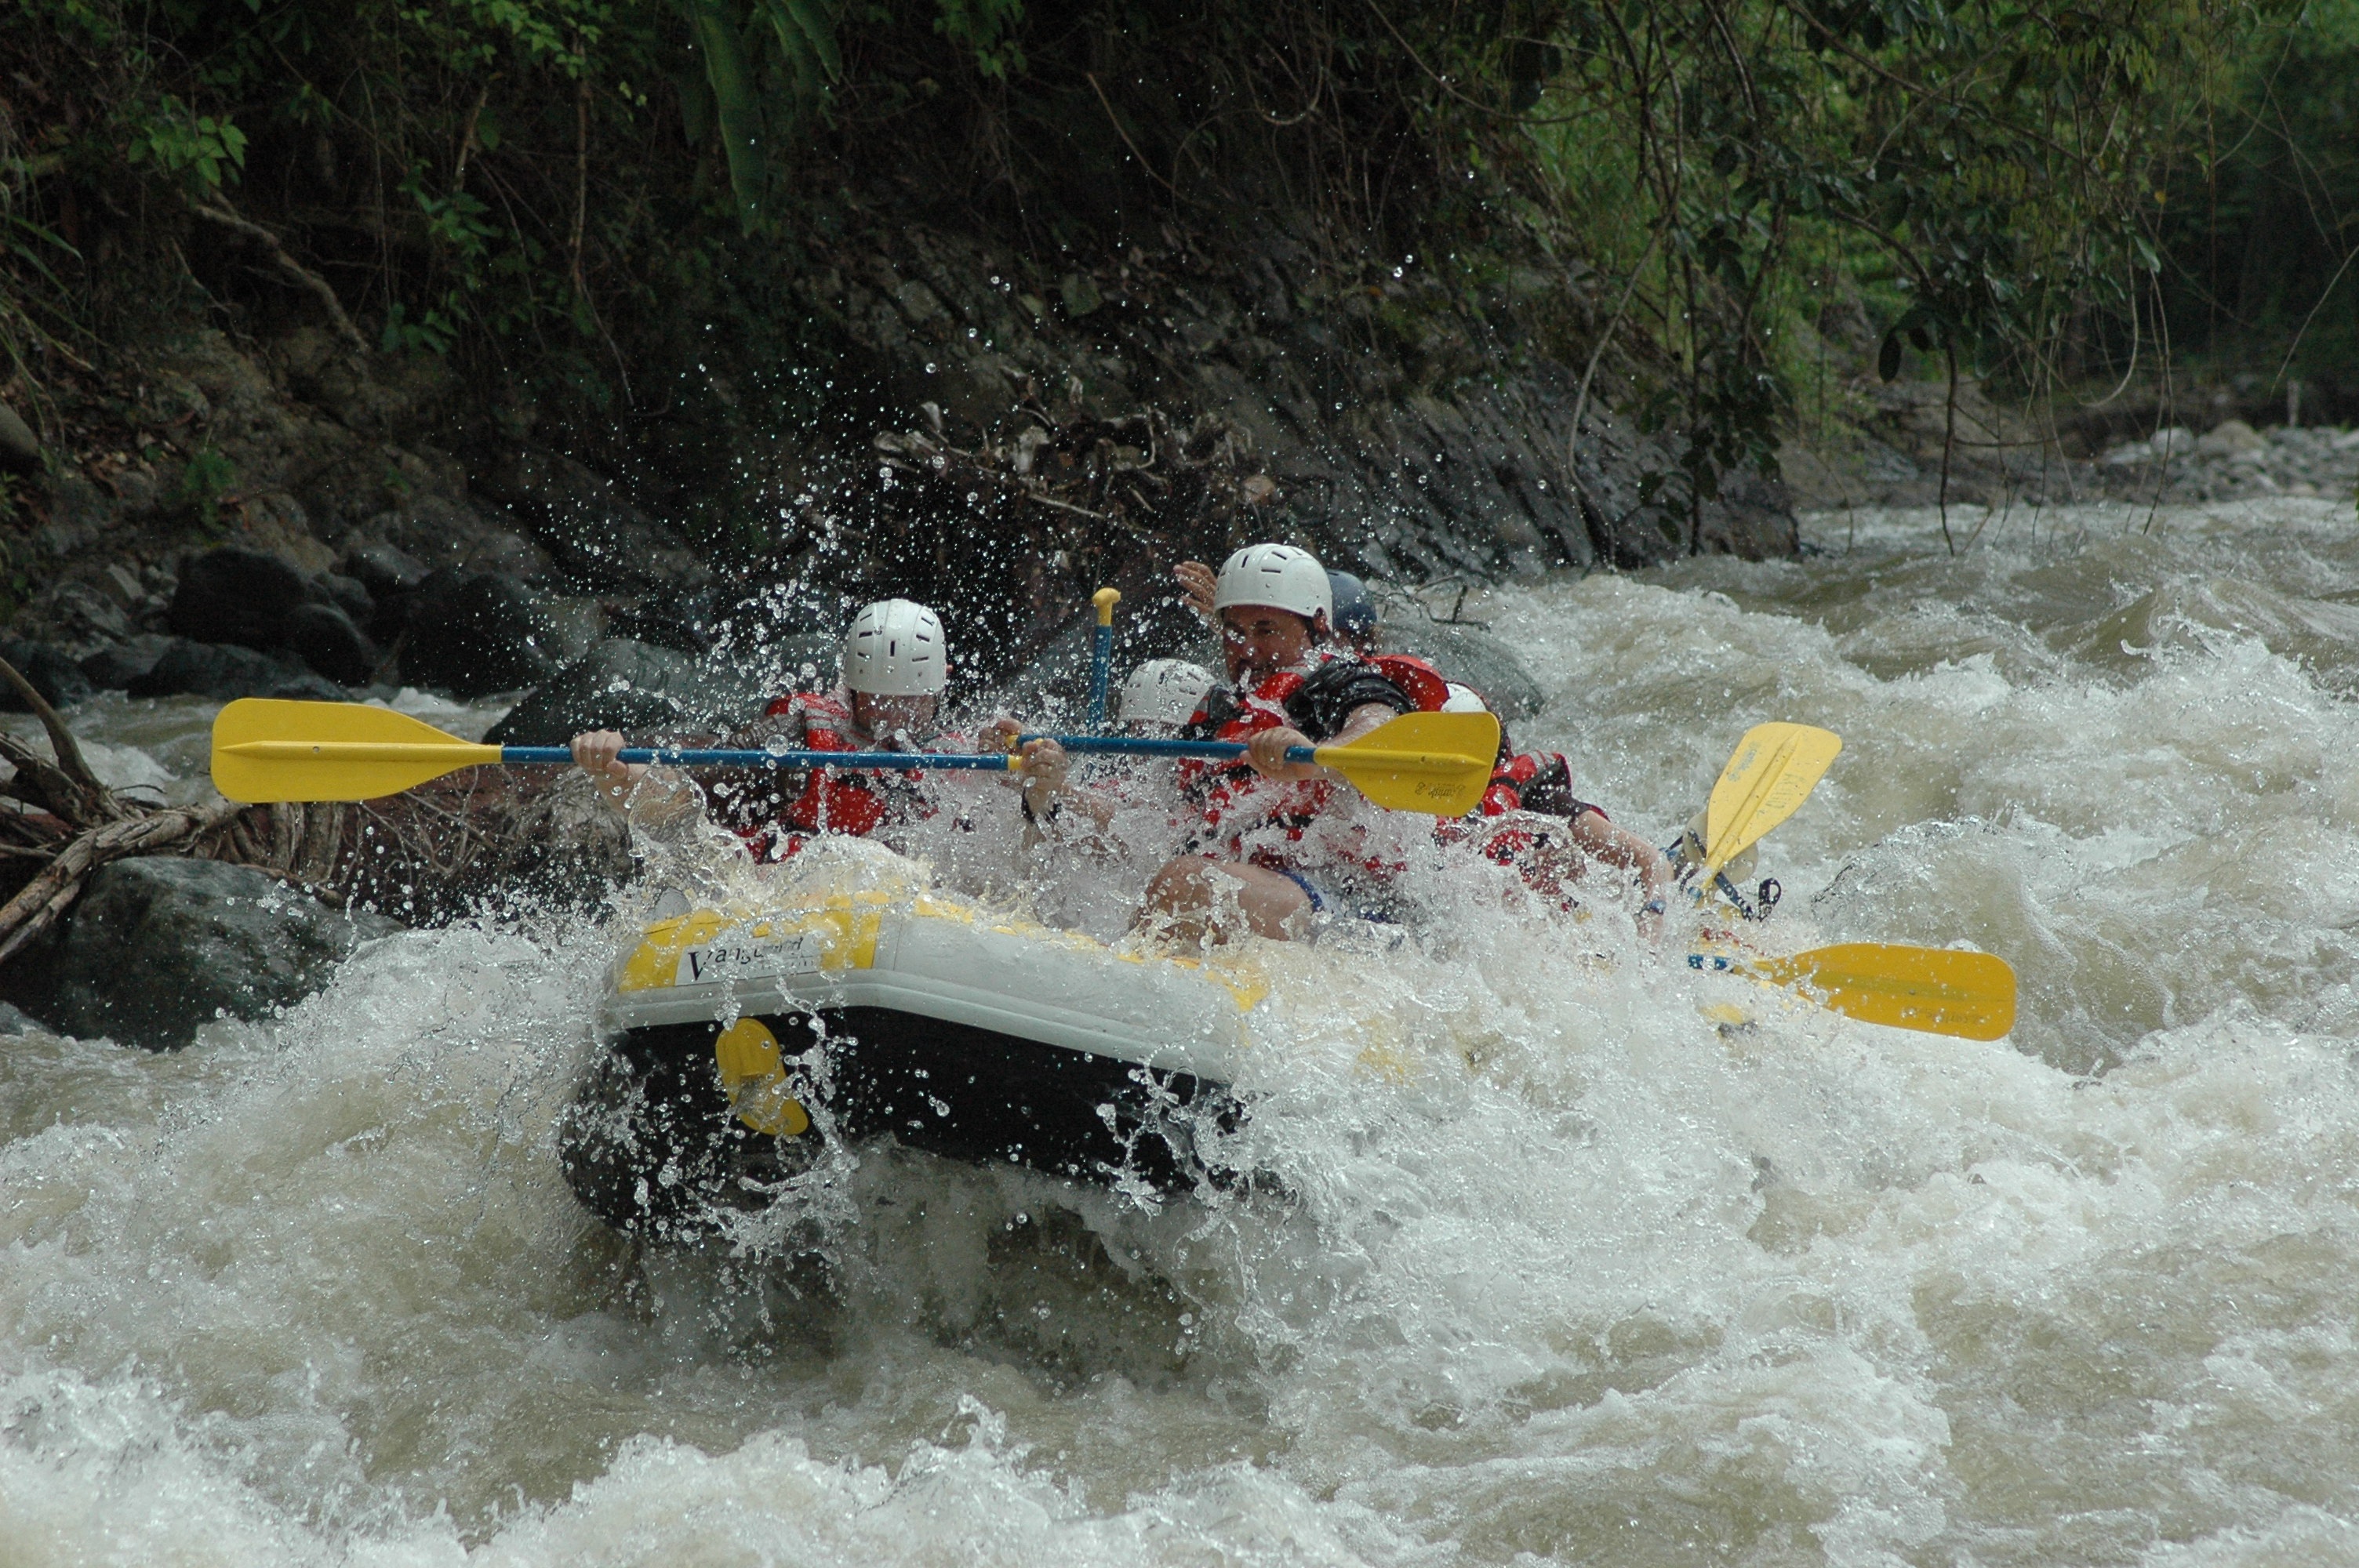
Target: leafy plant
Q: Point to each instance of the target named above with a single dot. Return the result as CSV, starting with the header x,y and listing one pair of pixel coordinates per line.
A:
x,y
207,478
1984,173
200,151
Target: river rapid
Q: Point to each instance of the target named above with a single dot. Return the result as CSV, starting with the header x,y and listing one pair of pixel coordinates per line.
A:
x,y
1565,1272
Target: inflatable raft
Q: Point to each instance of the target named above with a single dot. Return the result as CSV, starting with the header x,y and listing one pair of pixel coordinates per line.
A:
x,y
740,1037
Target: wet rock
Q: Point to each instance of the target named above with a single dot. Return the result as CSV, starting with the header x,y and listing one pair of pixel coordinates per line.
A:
x,y
116,666
236,595
225,670
156,946
1471,657
59,678
444,533
324,637
347,593
649,693
20,450
384,571
2230,438
598,539
391,577
473,634
79,612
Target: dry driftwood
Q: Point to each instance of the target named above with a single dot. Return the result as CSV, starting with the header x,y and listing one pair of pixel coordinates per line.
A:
x,y
421,857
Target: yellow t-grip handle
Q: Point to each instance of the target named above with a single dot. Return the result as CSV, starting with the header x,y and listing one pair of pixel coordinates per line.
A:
x,y
1106,599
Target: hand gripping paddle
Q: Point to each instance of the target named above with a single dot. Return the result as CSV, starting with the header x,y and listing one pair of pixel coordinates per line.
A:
x,y
1936,990
269,749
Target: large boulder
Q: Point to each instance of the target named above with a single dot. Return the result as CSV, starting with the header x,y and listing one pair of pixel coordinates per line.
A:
x,y
323,636
156,946
1470,657
116,666
649,693
598,539
220,669
473,634
384,571
234,595
50,672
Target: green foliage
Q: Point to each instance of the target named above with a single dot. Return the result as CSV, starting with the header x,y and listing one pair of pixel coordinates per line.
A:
x,y
200,151
208,477
552,186
987,28
2260,220
1983,173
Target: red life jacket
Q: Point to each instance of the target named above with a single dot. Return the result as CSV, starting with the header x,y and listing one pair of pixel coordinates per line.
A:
x,y
1419,681
1510,782
1235,799
851,803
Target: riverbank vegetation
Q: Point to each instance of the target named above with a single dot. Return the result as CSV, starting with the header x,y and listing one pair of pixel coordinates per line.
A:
x,y
601,217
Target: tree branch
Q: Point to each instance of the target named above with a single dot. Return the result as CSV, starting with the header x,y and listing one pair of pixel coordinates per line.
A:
x,y
302,274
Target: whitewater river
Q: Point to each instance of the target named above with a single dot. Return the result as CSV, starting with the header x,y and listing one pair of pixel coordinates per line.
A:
x,y
1564,1272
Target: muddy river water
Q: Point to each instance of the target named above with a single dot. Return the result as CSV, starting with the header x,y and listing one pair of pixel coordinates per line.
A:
x,y
1578,1276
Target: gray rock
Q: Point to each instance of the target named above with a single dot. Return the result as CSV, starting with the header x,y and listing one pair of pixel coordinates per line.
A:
x,y
2229,438
384,571
156,947
597,538
392,578
1471,657
56,677
115,666
347,593
324,637
224,670
648,692
20,450
234,595
84,613
473,634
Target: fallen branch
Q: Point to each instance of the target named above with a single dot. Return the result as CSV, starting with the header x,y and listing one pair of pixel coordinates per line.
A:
x,y
67,786
40,901
302,274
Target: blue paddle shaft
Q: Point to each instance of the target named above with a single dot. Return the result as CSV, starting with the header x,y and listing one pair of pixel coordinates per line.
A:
x,y
1101,662
898,762
682,757
1139,746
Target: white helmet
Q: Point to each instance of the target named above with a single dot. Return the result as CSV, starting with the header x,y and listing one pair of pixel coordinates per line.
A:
x,y
1162,691
1462,699
894,649
1278,576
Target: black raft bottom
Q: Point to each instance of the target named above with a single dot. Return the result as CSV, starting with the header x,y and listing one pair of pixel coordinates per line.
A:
x,y
650,1142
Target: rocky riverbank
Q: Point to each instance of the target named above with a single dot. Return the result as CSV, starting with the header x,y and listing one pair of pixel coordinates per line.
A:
x,y
1905,445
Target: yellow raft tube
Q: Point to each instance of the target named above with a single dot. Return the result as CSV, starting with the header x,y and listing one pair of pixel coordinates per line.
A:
x,y
871,1007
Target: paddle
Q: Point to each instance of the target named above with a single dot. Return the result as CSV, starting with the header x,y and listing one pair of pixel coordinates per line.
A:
x,y
1770,773
1438,763
1936,991
269,750
1102,654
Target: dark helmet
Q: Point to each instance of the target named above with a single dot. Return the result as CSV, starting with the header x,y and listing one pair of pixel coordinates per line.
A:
x,y
1354,614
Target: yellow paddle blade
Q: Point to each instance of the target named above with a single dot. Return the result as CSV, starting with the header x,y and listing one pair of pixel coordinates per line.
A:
x,y
1938,991
1435,763
1771,774
266,750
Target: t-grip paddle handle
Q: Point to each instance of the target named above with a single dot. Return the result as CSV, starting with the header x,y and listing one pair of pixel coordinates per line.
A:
x,y
1102,653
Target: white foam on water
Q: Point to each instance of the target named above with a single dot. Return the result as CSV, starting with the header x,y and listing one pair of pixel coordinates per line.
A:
x,y
1548,1265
